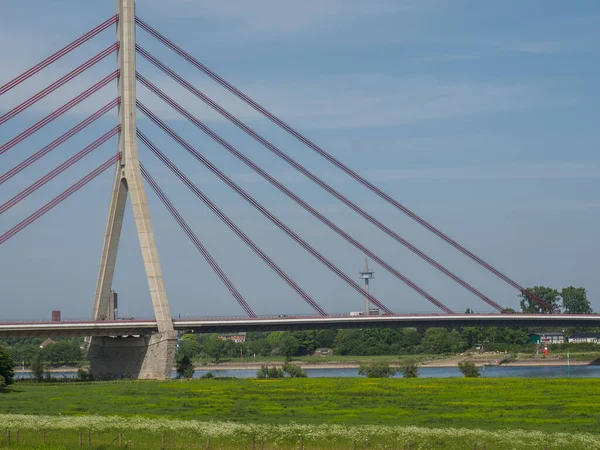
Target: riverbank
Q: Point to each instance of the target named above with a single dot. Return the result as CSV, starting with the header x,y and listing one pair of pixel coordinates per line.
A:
x,y
450,361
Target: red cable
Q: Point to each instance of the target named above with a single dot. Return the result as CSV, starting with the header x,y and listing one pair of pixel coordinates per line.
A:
x,y
58,83
215,209
60,111
58,170
58,141
293,196
52,203
194,238
333,160
261,208
59,54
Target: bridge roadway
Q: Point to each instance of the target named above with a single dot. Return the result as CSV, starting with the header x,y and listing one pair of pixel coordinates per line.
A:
x,y
291,323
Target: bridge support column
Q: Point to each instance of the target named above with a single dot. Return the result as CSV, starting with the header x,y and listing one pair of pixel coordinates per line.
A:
x,y
143,357
146,356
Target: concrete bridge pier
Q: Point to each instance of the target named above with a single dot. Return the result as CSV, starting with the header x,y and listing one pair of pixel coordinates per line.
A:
x,y
143,357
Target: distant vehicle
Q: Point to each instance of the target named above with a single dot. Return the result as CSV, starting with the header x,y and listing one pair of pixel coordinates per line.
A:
x,y
357,313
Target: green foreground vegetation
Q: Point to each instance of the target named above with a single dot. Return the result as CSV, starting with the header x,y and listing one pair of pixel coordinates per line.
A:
x,y
105,432
327,413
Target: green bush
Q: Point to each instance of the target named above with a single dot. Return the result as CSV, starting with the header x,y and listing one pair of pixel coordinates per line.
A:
x,y
468,369
269,372
376,369
37,367
185,367
294,371
84,374
410,369
208,376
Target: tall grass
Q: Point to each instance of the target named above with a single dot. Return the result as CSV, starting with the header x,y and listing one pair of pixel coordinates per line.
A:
x,y
63,432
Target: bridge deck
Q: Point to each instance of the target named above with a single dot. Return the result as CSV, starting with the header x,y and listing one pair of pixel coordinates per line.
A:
x,y
291,323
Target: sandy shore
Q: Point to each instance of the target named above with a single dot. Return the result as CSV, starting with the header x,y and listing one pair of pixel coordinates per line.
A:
x,y
451,361
446,362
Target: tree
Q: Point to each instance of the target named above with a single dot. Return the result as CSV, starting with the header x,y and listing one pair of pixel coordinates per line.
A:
x,y
468,369
185,367
260,347
288,346
436,340
456,341
376,369
575,301
472,335
63,352
325,338
215,348
410,369
547,294
6,366
37,367
189,347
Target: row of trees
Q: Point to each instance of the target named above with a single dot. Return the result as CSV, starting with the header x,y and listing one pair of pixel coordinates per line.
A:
x,y
62,352
570,300
352,342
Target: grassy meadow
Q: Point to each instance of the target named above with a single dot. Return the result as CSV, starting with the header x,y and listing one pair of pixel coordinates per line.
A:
x,y
326,413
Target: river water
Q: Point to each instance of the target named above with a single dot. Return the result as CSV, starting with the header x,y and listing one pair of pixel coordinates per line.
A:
x,y
424,372
440,372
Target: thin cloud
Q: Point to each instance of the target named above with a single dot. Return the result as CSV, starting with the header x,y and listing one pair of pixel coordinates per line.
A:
x,y
534,171
269,16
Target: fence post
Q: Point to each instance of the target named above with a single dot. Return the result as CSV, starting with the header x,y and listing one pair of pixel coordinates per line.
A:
x,y
262,443
207,442
475,446
408,445
364,444
80,440
301,443
171,439
120,439
253,446
89,437
17,436
162,441
354,444
44,437
8,436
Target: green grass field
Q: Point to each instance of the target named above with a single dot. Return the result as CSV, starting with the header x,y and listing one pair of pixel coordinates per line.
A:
x,y
328,412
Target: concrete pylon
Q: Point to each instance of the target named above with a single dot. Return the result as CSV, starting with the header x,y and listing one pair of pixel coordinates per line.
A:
x,y
141,357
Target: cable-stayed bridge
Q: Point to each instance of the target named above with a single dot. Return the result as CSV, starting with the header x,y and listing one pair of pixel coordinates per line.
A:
x,y
148,350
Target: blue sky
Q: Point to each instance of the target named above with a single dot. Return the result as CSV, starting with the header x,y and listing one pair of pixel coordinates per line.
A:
x,y
479,116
